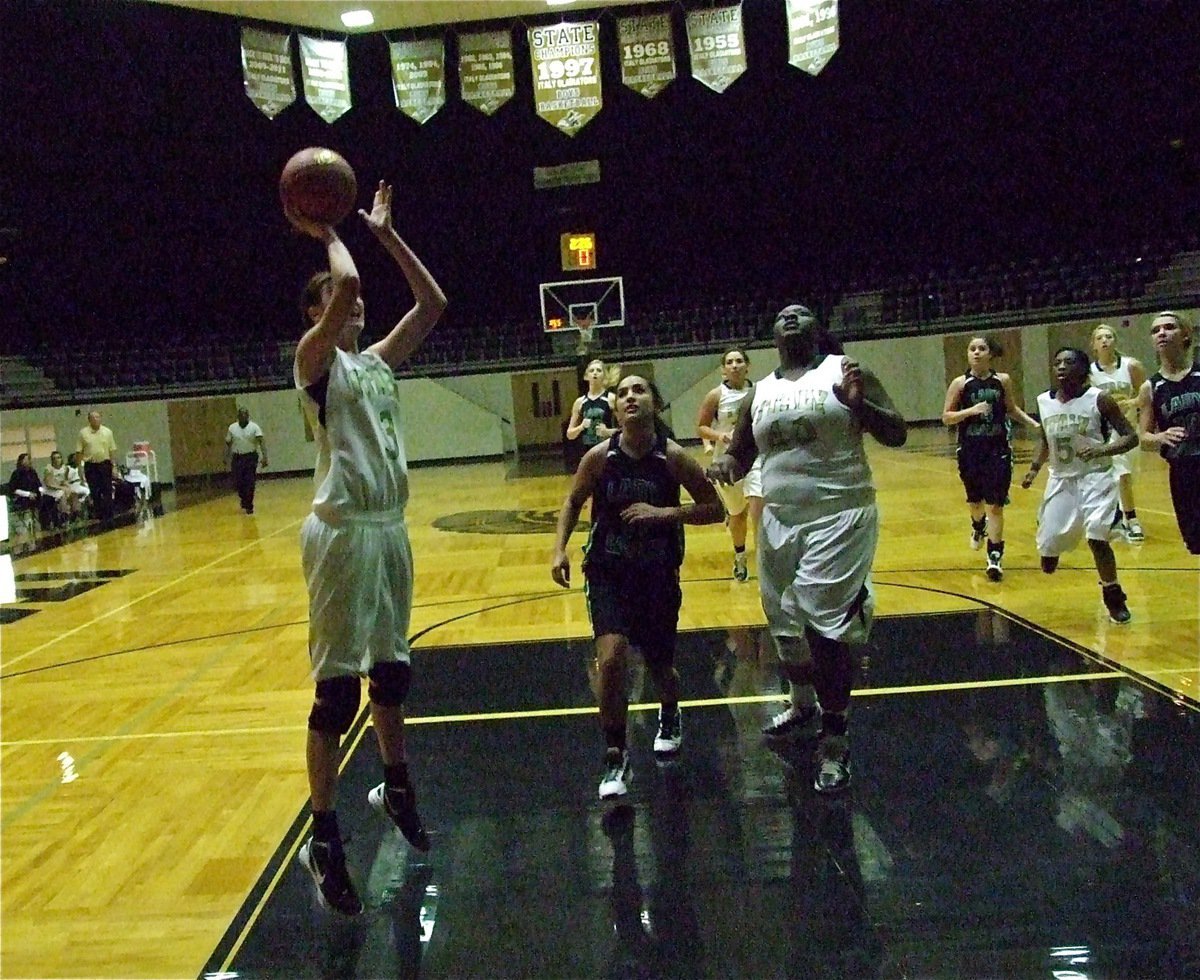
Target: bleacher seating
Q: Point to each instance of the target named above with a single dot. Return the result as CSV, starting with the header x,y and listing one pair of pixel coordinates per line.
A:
x,y
1027,286
868,302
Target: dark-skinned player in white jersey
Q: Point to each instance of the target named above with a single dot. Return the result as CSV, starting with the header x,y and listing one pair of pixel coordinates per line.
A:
x,y
1081,496
819,527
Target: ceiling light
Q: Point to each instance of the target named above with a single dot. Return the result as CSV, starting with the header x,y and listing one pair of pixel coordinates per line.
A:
x,y
358,18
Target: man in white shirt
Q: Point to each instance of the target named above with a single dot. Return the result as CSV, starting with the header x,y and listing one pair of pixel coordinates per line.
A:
x,y
246,451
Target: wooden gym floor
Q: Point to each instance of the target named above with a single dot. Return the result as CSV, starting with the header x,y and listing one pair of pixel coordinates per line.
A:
x,y
1025,780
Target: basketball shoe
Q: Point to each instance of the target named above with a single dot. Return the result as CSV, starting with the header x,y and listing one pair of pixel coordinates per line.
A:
x,y
978,533
400,806
617,774
994,571
1114,602
795,723
670,733
833,764
326,862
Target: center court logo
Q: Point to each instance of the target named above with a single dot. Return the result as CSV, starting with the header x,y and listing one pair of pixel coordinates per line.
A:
x,y
502,522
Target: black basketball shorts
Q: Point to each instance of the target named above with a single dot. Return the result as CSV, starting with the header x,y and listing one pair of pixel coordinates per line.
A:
x,y
639,603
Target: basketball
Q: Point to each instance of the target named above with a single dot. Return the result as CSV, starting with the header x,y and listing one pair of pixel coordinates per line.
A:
x,y
319,184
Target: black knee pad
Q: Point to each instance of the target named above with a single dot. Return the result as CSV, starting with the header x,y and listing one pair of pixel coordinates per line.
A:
x,y
335,705
389,683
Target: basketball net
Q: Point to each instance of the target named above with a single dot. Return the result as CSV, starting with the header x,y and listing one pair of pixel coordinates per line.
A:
x,y
586,327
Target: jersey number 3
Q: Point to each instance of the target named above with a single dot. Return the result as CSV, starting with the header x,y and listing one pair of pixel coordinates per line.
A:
x,y
392,441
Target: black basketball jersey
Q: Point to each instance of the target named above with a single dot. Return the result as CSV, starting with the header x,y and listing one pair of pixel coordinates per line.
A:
x,y
978,433
626,481
1177,403
600,411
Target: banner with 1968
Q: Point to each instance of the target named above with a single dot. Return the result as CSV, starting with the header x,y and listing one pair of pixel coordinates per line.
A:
x,y
647,49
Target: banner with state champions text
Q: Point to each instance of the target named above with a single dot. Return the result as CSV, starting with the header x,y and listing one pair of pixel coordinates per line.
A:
x,y
418,77
485,70
326,70
717,46
267,70
812,33
647,49
566,74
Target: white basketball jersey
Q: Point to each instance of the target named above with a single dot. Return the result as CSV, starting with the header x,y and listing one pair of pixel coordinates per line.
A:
x,y
810,444
1068,427
1116,382
728,403
361,466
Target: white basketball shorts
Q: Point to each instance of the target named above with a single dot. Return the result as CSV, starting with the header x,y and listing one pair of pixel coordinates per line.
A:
x,y
1075,506
359,577
813,573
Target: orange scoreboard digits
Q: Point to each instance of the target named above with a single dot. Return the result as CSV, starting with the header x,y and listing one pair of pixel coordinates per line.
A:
x,y
578,250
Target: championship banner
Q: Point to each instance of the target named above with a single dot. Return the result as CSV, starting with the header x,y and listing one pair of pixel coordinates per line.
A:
x,y
325,67
419,77
566,74
647,53
267,70
485,70
812,33
717,46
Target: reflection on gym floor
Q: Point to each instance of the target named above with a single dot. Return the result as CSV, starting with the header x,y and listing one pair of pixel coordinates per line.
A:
x,y
1015,812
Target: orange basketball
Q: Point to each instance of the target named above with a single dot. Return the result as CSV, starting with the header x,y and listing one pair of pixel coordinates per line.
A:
x,y
319,184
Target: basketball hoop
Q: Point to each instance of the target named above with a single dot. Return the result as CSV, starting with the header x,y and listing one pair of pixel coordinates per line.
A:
x,y
584,347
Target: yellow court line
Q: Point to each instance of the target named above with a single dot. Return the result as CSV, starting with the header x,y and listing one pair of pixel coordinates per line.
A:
x,y
979,685
203,733
590,710
133,602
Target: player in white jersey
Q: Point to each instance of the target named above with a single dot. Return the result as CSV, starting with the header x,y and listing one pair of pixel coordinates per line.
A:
x,y
354,544
819,527
1081,492
1122,377
714,422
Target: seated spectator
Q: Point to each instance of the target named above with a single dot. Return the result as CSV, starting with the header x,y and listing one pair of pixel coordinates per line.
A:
x,y
25,489
75,482
54,489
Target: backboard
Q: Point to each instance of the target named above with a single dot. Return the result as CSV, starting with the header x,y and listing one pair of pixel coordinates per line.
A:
x,y
582,303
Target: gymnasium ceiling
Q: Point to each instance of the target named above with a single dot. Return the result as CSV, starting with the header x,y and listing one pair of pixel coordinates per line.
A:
x,y
390,15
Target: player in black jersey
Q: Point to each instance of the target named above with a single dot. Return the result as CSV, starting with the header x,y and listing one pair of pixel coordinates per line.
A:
x,y
631,562
980,403
1169,418
592,419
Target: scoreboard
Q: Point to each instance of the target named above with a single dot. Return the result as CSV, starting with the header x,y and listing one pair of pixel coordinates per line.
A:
x,y
578,249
